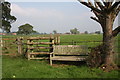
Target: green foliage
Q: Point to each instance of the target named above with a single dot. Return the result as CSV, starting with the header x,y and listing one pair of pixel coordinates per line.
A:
x,y
74,31
97,32
35,32
7,18
86,32
54,31
26,29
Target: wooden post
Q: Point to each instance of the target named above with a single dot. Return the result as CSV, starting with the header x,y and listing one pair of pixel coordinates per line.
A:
x,y
51,59
28,52
1,43
51,46
58,39
19,45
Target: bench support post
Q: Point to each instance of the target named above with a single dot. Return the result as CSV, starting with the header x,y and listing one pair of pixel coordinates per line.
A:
x,y
51,59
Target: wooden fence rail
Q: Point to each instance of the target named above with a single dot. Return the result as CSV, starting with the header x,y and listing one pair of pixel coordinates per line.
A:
x,y
38,45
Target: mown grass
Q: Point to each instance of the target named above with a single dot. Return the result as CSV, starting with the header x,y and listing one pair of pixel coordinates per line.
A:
x,y
18,67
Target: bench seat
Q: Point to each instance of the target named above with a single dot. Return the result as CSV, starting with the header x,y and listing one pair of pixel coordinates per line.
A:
x,y
68,58
68,53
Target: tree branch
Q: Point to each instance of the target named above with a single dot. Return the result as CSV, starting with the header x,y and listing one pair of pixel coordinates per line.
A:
x,y
89,2
116,31
104,2
96,5
107,3
94,18
117,10
114,6
89,6
99,4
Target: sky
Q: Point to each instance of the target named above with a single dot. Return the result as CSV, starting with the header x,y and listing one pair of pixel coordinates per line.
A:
x,y
59,15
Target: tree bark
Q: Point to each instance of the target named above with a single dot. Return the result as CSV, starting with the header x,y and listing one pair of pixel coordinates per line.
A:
x,y
108,43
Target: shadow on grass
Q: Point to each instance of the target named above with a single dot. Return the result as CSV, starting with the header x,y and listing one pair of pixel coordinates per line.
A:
x,y
70,63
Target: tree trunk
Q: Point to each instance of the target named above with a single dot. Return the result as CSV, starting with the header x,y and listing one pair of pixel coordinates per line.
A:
x,y
108,44
103,55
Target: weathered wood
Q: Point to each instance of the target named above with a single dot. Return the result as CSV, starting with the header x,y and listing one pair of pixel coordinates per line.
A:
x,y
40,47
1,43
36,43
8,39
57,39
51,45
33,56
28,55
40,38
68,53
51,58
40,58
36,53
19,45
69,58
70,50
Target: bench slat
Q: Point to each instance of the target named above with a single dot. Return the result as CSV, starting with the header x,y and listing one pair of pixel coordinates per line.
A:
x,y
69,49
68,58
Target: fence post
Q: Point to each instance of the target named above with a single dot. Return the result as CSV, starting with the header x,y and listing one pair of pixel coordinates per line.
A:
x,y
51,45
58,39
19,45
1,43
28,51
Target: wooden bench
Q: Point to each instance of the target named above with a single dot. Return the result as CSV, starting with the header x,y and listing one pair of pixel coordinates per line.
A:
x,y
69,53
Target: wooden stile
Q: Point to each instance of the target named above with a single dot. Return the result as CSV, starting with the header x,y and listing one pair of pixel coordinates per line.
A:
x,y
38,44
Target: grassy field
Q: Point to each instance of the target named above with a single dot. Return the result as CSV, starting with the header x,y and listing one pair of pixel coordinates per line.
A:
x,y
89,40
17,67
20,67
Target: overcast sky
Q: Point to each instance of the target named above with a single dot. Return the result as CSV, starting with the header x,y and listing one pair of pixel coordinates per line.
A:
x,y
48,16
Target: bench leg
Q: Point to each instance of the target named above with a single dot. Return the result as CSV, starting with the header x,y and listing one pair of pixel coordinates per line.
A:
x,y
51,59
28,56
50,62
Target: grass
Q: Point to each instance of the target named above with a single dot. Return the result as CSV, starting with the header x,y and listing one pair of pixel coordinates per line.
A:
x,y
82,37
17,67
